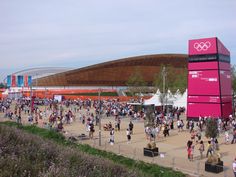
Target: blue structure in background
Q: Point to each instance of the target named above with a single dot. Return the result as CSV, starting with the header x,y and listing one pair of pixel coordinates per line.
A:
x,y
9,81
29,80
20,81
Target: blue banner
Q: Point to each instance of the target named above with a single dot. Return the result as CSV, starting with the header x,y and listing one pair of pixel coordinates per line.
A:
x,y
20,81
9,81
29,80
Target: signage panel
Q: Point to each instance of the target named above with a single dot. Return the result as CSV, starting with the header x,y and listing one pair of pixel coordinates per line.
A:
x,y
202,65
226,109
226,99
209,79
203,99
224,66
225,82
202,46
203,82
203,109
207,46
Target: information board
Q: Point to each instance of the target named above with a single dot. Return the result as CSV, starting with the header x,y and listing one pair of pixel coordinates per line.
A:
x,y
204,82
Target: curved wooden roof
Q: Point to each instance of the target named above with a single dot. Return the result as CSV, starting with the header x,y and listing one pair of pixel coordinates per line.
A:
x,y
116,72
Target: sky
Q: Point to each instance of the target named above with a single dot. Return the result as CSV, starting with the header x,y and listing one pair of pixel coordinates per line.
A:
x,y
78,33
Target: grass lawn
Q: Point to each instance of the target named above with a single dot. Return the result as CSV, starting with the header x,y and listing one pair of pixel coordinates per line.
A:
x,y
144,168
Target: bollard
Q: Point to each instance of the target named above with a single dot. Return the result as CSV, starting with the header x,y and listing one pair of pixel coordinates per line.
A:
x,y
173,162
119,150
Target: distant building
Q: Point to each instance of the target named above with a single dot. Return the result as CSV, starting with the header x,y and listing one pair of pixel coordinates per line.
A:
x,y
113,73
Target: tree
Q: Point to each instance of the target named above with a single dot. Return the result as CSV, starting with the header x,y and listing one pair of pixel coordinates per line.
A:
x,y
136,82
175,79
211,128
233,72
2,85
181,81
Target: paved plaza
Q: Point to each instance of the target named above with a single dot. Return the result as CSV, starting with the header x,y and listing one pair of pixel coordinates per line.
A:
x,y
173,150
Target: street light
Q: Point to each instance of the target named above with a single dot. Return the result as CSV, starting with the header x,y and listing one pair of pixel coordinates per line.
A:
x,y
164,82
45,109
99,113
31,102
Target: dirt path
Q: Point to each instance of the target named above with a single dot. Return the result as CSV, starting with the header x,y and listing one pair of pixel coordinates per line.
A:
x,y
172,148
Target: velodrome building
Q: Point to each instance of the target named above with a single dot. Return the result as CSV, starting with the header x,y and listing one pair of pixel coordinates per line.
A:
x,y
113,73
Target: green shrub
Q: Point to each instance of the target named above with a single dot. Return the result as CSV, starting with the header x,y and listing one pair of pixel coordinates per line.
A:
x,y
211,128
140,168
24,154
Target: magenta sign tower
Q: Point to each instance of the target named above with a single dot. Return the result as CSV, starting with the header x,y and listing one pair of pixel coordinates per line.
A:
x,y
209,79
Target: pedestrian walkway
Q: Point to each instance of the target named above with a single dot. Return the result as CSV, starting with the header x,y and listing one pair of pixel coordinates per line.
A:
x,y
173,152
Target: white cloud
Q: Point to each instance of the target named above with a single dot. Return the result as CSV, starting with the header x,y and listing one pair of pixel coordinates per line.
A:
x,y
43,33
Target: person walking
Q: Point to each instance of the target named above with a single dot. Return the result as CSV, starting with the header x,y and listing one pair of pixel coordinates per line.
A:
x,y
131,126
189,144
234,167
179,125
128,135
191,126
92,130
199,136
234,137
226,138
112,136
209,148
182,125
192,151
193,135
201,149
118,123
166,131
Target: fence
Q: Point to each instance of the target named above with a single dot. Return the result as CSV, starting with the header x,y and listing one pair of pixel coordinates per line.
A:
x,y
194,168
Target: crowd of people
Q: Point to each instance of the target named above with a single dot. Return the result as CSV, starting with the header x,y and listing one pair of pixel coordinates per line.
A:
x,y
225,127
55,115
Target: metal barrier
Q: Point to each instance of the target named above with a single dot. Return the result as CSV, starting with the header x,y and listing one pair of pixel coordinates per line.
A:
x,y
193,168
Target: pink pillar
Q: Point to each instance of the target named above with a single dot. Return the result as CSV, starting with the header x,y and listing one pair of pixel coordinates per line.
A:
x,y
209,79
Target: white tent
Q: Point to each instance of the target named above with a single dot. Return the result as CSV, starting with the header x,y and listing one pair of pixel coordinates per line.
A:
x,y
5,92
182,101
155,99
177,95
170,97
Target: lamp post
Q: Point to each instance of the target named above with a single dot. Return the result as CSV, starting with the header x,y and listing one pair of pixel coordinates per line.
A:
x,y
31,102
164,82
45,106
99,104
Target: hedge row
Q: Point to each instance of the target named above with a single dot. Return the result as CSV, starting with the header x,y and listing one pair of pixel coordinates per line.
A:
x,y
114,164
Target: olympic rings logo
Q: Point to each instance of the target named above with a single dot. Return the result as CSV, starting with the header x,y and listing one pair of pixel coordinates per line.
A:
x,y
202,46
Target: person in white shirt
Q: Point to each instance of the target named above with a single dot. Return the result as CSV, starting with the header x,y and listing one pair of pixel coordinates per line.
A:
x,y
128,135
226,138
234,167
112,136
179,125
